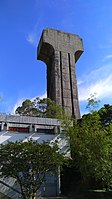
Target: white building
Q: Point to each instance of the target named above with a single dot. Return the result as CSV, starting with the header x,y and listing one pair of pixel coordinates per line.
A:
x,y
22,128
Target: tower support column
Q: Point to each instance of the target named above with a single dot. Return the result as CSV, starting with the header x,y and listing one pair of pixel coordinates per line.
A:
x,y
60,51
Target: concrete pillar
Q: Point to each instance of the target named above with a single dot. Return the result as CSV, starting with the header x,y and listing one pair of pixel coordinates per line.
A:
x,y
56,130
34,129
7,127
60,51
30,128
2,126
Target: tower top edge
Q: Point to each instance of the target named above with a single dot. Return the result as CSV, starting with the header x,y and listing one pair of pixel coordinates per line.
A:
x,y
61,32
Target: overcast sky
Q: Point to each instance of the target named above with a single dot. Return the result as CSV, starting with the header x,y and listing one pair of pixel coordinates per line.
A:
x,y
21,25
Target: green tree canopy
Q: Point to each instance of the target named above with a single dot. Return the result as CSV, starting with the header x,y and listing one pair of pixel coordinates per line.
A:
x,y
91,147
28,162
106,114
93,103
40,108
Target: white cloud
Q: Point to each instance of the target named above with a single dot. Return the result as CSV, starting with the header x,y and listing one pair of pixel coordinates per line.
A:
x,y
98,81
79,82
34,35
107,57
43,96
32,38
17,104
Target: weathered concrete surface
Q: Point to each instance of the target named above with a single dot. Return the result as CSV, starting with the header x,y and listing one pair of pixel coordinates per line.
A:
x,y
60,51
28,120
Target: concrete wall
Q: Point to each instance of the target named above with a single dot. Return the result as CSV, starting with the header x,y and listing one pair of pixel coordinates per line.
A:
x,y
28,120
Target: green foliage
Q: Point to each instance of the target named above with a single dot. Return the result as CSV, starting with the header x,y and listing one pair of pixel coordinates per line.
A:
x,y
50,109
106,114
27,109
93,103
91,147
28,162
40,108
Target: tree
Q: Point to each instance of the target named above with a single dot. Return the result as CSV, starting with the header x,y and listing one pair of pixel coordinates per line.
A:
x,y
28,108
49,108
40,108
93,103
28,162
91,147
106,114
